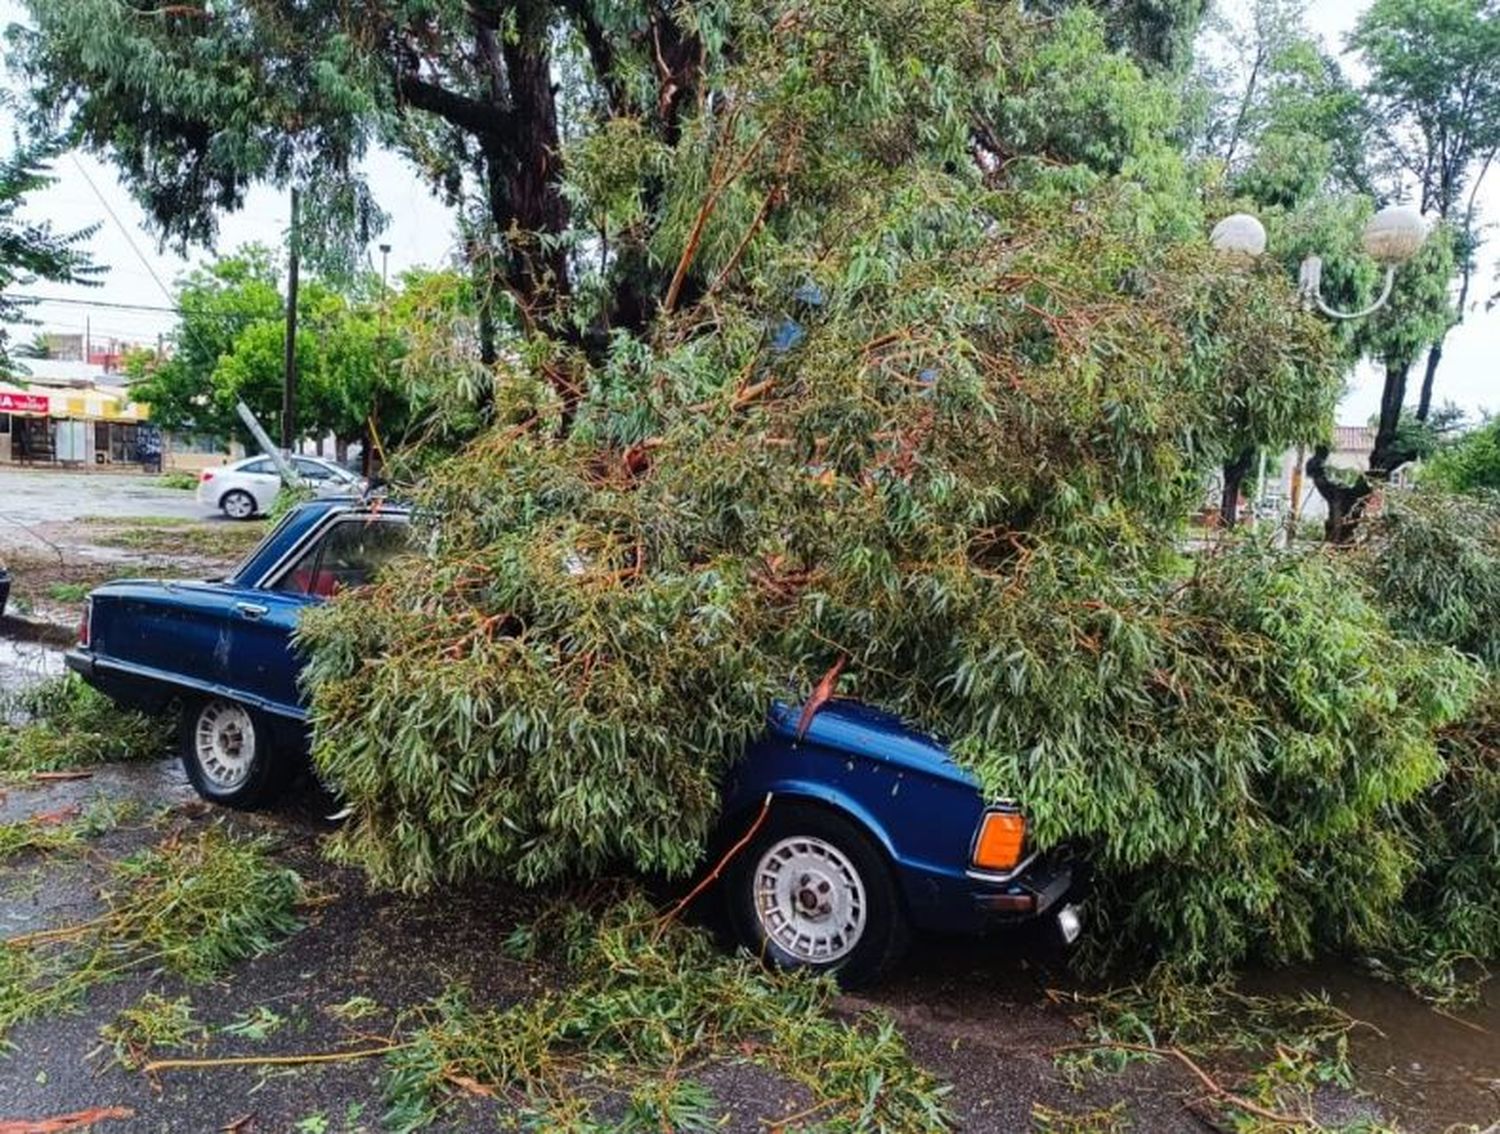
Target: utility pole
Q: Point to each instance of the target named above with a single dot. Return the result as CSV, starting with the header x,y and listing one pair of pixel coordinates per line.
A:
x,y
289,387
367,458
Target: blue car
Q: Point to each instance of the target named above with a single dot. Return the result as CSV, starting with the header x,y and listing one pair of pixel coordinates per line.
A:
x,y
845,835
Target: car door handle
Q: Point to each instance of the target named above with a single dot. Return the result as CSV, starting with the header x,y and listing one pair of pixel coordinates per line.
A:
x,y
251,610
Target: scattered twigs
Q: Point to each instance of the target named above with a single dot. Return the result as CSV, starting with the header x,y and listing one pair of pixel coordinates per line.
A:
x,y
54,777
270,1060
723,175
1212,1085
719,867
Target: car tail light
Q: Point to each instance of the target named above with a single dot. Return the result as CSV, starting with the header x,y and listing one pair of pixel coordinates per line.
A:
x,y
1002,835
205,476
83,625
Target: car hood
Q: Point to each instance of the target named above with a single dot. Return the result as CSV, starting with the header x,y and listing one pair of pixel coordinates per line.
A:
x,y
848,726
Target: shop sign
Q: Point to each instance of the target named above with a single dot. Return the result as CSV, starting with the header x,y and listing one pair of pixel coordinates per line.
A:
x,y
23,403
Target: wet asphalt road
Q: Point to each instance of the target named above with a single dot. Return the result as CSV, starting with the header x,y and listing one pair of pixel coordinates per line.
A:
x,y
33,496
976,1013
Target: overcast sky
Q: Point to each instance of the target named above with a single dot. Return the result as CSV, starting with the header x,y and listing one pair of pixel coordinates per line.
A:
x,y
421,232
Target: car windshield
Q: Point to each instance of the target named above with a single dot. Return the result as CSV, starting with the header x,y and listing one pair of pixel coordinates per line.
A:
x,y
349,555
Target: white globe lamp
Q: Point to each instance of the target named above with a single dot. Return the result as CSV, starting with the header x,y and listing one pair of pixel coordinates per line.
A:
x,y
1239,235
1394,235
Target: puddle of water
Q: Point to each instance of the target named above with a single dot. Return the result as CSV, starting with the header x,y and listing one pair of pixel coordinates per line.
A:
x,y
1438,1067
24,664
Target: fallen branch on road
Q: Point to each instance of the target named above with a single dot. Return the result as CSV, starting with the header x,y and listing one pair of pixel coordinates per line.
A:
x,y
78,1120
1217,1090
268,1060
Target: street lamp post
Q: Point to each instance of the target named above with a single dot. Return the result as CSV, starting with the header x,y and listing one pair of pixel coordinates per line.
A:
x,y
1392,237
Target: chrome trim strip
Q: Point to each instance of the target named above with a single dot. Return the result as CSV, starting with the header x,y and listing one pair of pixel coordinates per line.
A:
x,y
146,673
273,573
1002,876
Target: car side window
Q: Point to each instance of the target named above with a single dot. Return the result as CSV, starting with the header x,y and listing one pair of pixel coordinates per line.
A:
x,y
262,467
350,554
312,470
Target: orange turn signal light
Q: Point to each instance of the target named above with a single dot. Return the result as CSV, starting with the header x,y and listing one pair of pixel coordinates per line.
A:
x,y
1002,834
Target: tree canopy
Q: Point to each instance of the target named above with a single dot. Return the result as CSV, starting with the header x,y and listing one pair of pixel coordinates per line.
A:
x,y
230,347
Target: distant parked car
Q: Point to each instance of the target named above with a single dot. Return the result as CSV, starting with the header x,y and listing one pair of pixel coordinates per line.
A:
x,y
853,828
249,487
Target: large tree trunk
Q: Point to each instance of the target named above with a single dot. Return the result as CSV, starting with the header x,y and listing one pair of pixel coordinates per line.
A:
x,y
525,175
1347,502
1235,472
1429,377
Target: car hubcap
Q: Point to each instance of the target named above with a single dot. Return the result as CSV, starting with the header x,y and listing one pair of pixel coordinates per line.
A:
x,y
809,900
224,744
238,506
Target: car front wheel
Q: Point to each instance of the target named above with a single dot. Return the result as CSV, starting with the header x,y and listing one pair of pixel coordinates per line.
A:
x,y
238,504
812,891
227,754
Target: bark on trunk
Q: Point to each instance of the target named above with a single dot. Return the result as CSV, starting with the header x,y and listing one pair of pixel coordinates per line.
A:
x,y
1345,501
1235,472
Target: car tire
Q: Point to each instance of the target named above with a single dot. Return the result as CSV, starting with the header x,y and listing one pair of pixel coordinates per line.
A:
x,y
813,891
227,753
238,504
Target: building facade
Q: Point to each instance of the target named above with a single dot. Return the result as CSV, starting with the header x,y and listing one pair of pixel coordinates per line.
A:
x,y
63,415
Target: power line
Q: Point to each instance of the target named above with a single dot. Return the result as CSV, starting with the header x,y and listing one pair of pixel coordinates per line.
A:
x,y
125,232
103,303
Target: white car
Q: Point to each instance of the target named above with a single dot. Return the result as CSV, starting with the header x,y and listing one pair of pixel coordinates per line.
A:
x,y
249,487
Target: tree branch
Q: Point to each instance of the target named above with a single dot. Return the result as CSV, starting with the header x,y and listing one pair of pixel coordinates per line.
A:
x,y
459,110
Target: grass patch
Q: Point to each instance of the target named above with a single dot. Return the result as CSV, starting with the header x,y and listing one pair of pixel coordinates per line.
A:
x,y
644,1005
184,481
64,724
192,904
68,592
61,831
183,537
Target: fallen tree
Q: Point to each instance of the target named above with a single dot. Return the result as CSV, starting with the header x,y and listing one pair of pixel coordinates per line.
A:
x,y
927,409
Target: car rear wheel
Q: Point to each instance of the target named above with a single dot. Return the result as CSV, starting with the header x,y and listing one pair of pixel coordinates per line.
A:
x,y
238,504
812,891
227,754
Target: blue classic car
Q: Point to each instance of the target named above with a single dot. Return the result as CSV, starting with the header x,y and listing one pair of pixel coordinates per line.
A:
x,y
847,830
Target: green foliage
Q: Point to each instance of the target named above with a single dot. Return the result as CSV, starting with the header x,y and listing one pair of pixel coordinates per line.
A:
x,y
1270,1055
232,343
1450,928
182,481
66,830
644,1004
194,904
1469,463
151,1025
1434,562
195,108
1435,83
64,723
